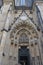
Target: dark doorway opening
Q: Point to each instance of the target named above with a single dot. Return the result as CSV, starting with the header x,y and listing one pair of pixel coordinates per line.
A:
x,y
23,60
24,56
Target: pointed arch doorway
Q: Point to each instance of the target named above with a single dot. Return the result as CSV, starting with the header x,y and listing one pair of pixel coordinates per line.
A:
x,y
24,56
23,51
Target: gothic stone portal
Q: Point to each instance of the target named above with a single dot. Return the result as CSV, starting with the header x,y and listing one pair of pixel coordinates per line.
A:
x,y
24,56
25,36
23,53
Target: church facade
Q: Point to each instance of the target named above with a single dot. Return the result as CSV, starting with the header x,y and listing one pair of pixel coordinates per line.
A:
x,y
21,32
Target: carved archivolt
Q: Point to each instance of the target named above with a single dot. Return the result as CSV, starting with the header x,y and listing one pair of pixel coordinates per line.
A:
x,y
23,26
27,24
25,32
23,38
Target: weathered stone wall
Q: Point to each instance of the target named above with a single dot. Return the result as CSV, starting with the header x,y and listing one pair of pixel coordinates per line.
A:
x,y
9,45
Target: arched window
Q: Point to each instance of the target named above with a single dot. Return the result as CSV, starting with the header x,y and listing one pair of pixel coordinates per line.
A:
x,y
1,3
23,38
23,3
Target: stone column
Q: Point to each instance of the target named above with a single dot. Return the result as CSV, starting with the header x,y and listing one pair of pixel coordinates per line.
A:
x,y
40,51
31,47
4,37
36,53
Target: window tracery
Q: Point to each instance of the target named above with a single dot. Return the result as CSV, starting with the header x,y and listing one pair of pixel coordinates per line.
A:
x,y
23,38
1,3
24,3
